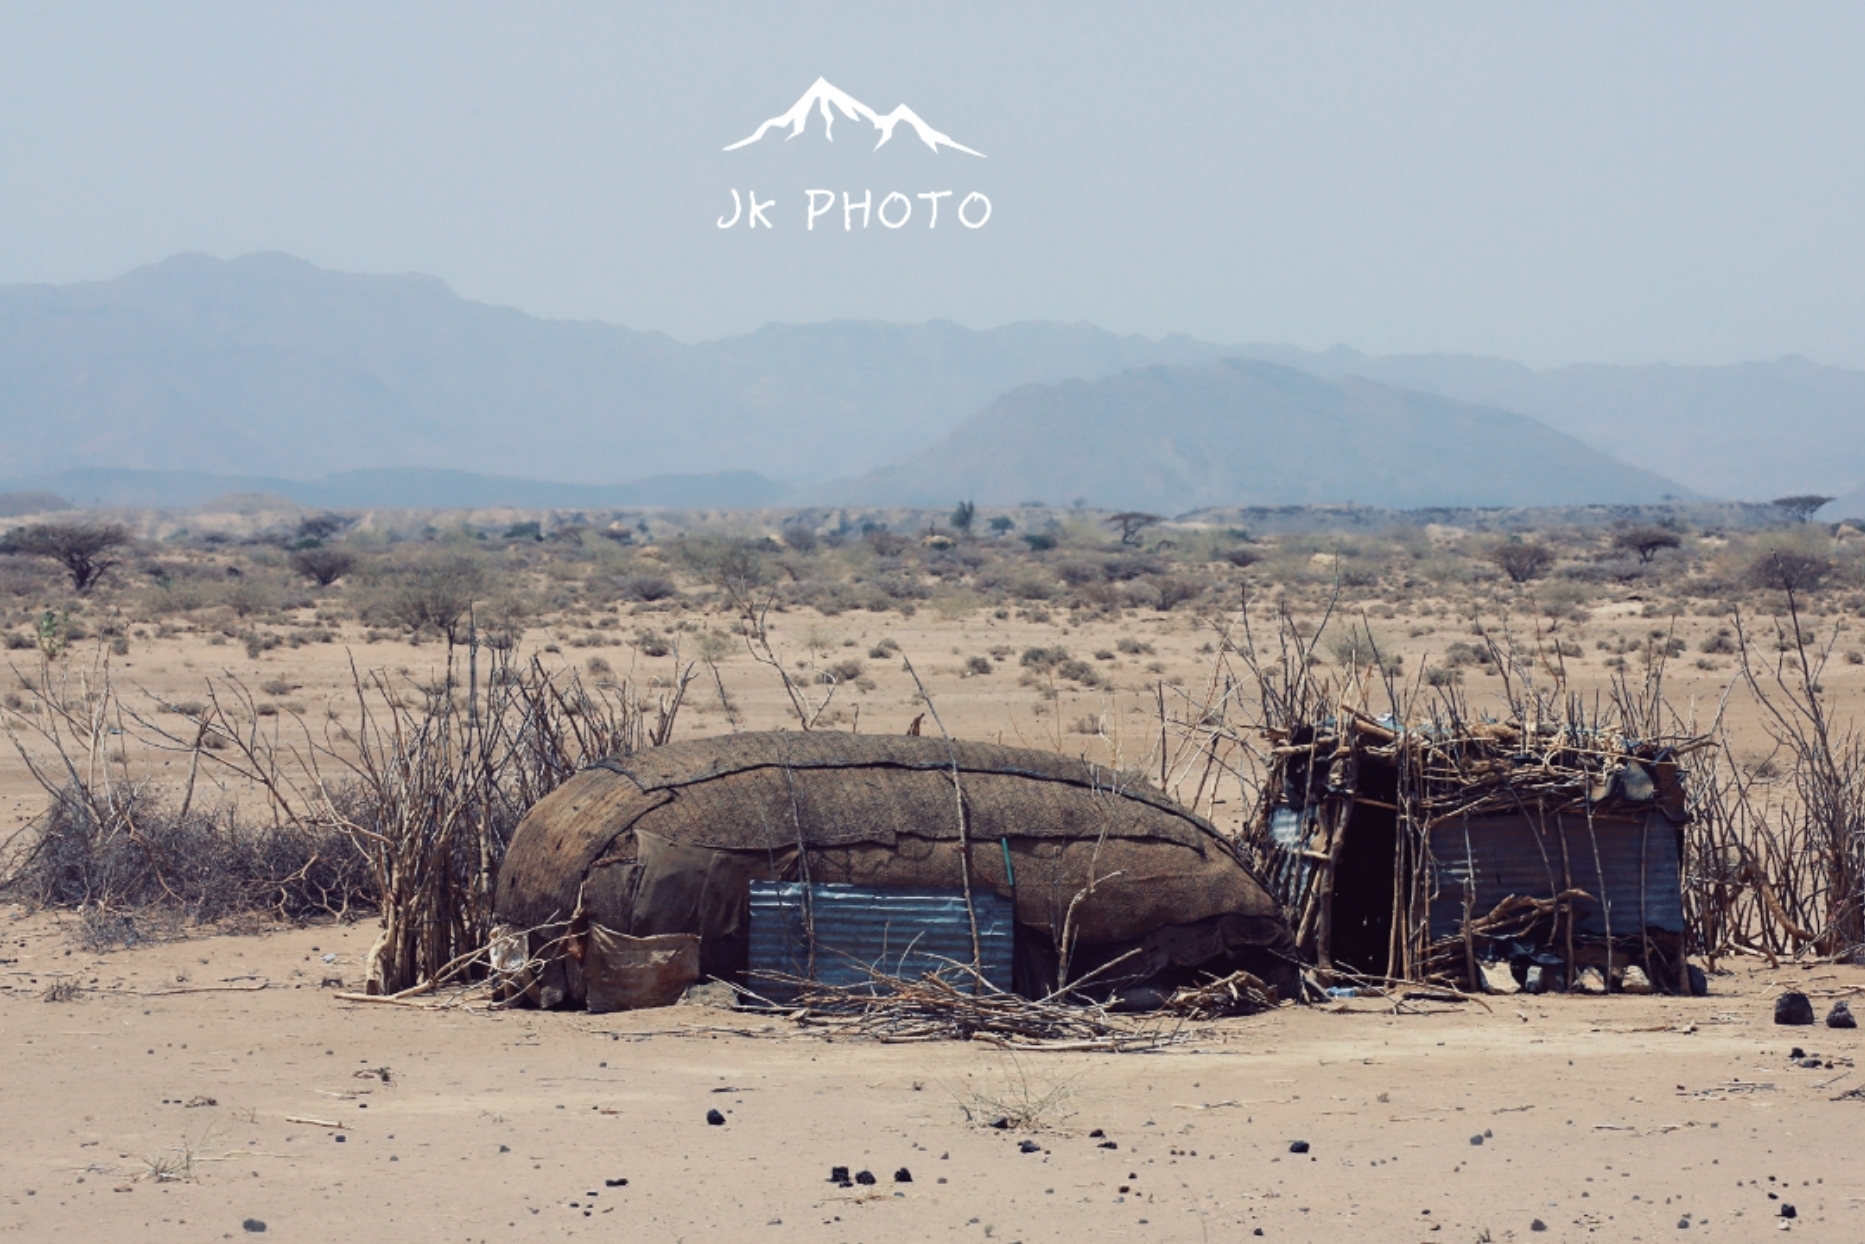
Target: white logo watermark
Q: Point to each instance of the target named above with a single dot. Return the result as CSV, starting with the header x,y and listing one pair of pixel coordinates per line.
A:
x,y
896,209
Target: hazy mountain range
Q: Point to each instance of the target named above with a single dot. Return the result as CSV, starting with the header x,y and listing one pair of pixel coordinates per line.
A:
x,y
274,373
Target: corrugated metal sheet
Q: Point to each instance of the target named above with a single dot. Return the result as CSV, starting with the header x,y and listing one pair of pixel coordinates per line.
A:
x,y
897,932
1637,871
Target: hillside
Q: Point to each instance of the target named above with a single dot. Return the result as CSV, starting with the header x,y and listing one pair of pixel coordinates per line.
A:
x,y
268,366
1751,431
1172,439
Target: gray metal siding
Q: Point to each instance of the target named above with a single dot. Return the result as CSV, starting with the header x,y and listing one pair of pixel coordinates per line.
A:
x,y
1506,856
904,933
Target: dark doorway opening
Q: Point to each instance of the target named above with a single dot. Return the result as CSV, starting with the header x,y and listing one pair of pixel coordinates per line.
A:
x,y
1363,885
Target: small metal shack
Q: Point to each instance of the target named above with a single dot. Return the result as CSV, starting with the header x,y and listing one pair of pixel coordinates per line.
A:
x,y
1445,851
1097,867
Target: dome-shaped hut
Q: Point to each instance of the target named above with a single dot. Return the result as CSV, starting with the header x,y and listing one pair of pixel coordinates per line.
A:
x,y
677,839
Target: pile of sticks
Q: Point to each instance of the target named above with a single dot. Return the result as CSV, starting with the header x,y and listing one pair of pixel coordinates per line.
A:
x,y
939,1008
1240,993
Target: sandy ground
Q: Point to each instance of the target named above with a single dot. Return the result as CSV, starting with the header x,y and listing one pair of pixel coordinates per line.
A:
x,y
1622,1119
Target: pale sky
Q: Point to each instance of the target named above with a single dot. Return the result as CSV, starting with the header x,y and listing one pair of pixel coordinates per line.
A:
x,y
1555,183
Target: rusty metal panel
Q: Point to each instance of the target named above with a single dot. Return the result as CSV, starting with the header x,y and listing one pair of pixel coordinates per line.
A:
x,y
900,932
1634,866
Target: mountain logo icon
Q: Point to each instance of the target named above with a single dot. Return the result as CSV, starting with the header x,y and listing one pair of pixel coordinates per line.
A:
x,y
827,99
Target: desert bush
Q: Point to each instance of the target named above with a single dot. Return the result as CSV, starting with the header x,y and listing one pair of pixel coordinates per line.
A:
x,y
1133,647
1077,573
977,665
1078,671
1242,558
646,587
1522,560
799,538
1174,592
1039,541
847,670
135,853
323,566
1722,643
1042,659
1787,569
436,594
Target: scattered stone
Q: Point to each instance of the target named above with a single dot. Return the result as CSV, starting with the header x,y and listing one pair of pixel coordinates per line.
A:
x,y
615,1183
1499,977
340,1138
1107,1144
715,1118
1683,1224
1592,980
1699,981
1634,980
1796,1053
253,1224
1477,1139
1537,1225
1298,1146
1001,1123
1029,1146
1811,1064
1788,1211
505,1148
865,1178
1793,1008
838,1174
903,1176
1841,1016
1096,1134
716,994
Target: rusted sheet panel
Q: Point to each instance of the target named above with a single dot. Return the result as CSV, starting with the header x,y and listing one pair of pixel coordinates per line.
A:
x,y
1633,865
894,931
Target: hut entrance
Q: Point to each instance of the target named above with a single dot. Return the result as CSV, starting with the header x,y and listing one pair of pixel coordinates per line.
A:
x,y
1363,882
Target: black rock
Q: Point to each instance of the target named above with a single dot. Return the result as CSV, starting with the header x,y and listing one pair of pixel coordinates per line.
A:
x,y
1793,1008
864,1178
1683,1224
715,1118
1796,1053
1788,1211
1537,1225
1107,1144
1841,1016
903,1176
1096,1134
1000,1123
615,1183
838,1174
1298,1146
1477,1139
1258,1231
1699,983
1029,1146
1811,1064
253,1224
340,1138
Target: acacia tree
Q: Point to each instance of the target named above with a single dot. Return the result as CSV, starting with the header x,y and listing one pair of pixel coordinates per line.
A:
x,y
1131,523
1646,541
1801,505
963,516
85,550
